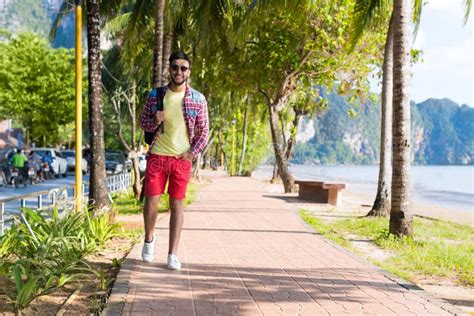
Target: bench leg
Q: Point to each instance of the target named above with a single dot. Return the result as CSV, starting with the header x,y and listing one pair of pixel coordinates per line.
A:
x,y
335,197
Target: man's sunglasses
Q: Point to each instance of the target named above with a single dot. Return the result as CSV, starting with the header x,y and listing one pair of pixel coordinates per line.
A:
x,y
178,67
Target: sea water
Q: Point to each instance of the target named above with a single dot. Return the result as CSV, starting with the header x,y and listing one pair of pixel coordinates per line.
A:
x,y
446,186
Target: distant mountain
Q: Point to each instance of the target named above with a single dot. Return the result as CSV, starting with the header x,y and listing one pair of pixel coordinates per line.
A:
x,y
442,133
36,16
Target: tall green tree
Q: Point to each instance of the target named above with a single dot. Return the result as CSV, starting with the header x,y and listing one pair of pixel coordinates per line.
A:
x,y
37,87
286,48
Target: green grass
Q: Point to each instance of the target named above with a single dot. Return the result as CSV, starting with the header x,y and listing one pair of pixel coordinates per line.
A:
x,y
324,229
126,203
437,248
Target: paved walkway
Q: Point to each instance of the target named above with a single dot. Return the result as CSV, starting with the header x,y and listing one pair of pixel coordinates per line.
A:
x,y
245,251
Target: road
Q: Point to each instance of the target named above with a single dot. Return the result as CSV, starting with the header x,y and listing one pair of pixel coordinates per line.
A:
x,y
12,208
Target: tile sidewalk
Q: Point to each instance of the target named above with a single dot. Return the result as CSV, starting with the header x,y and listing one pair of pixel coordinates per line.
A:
x,y
245,251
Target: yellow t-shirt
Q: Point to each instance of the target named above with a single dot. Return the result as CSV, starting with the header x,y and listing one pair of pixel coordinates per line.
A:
x,y
175,140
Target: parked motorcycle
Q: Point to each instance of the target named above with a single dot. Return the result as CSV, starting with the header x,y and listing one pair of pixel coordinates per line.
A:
x,y
48,173
32,175
3,179
18,178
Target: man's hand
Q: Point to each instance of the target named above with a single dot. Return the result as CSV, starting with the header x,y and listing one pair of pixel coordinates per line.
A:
x,y
187,155
159,117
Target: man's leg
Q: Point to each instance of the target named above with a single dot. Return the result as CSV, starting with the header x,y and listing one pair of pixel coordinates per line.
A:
x,y
149,215
176,224
154,186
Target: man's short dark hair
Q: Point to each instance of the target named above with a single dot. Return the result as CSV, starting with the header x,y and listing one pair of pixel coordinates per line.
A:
x,y
179,55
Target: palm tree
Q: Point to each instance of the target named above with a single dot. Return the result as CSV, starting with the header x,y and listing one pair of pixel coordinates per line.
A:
x,y
368,14
381,206
400,215
97,184
394,92
98,195
158,45
400,219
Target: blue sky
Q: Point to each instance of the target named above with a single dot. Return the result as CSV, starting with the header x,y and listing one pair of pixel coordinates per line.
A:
x,y
447,67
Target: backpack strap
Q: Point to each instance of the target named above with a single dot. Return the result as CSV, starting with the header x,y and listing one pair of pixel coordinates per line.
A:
x,y
150,137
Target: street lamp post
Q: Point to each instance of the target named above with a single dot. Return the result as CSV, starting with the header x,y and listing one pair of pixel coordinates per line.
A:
x,y
78,102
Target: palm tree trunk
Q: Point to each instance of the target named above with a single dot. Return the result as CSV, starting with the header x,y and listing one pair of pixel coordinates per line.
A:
x,y
381,205
97,182
400,216
158,47
167,45
244,137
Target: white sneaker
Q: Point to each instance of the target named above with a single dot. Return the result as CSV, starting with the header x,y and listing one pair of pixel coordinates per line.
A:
x,y
148,251
173,262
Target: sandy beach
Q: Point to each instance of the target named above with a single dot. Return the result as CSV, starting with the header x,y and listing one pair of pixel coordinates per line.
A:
x,y
351,198
362,196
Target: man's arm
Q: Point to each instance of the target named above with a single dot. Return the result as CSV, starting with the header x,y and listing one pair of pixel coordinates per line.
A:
x,y
201,130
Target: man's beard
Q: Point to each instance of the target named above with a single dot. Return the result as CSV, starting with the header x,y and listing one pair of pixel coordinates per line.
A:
x,y
178,83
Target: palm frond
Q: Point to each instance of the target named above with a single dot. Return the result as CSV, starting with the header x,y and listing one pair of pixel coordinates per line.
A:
x,y
67,7
142,12
417,10
118,23
364,15
111,8
468,5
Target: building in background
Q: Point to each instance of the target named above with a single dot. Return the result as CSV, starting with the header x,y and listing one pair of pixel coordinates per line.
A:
x,y
10,137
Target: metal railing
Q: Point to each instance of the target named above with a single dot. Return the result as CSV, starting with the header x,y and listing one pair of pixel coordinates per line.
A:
x,y
62,197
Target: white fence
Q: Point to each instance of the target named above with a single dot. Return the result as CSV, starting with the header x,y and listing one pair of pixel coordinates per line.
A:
x,y
61,197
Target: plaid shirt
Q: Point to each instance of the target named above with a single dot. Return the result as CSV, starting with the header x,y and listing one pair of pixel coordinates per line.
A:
x,y
195,116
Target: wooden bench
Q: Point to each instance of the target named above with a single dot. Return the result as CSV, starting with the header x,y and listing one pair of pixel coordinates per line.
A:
x,y
321,192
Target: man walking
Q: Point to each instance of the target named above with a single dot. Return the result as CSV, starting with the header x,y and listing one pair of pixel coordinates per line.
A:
x,y
181,129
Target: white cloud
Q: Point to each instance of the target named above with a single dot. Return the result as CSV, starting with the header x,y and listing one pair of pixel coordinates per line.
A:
x,y
448,57
444,4
454,8
447,69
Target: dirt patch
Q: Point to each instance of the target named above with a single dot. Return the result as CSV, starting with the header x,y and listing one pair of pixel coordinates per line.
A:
x,y
90,299
130,222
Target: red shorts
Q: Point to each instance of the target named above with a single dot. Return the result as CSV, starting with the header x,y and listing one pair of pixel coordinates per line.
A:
x,y
161,168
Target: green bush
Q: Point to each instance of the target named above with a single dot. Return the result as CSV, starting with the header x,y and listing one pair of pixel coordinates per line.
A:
x,y
51,256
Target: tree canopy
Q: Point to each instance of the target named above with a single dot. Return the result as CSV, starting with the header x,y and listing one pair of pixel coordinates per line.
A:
x,y
37,87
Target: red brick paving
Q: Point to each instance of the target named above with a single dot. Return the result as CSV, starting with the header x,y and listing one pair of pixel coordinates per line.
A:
x,y
245,251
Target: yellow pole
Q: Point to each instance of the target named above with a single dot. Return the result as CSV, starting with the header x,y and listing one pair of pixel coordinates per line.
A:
x,y
78,170
232,172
